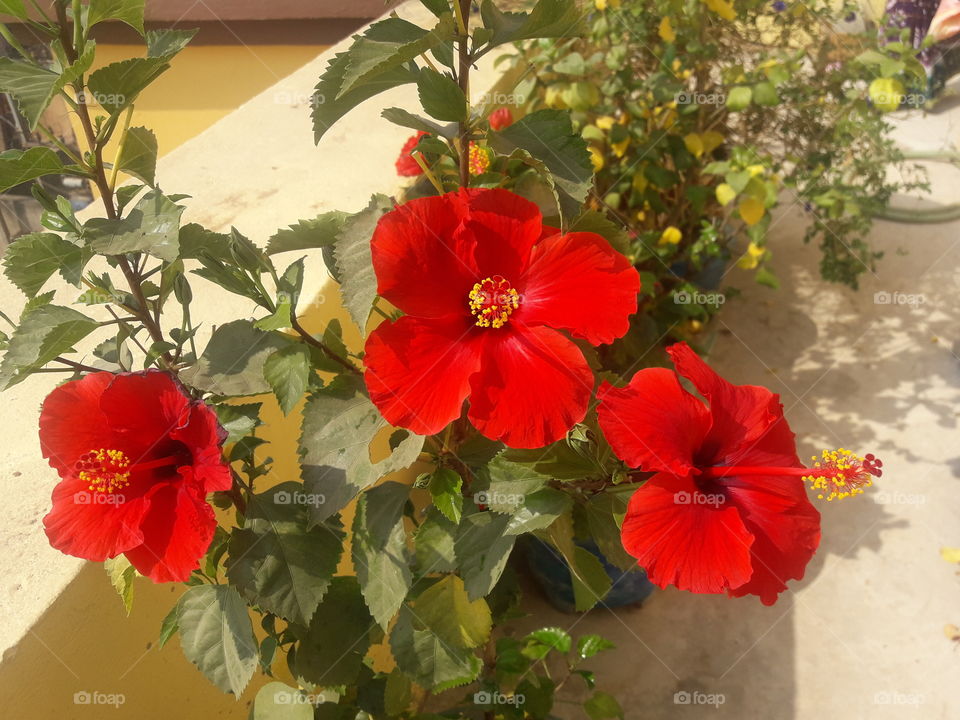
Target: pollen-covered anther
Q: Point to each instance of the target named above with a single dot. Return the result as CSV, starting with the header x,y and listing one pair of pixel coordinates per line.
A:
x,y
493,301
479,160
839,474
103,470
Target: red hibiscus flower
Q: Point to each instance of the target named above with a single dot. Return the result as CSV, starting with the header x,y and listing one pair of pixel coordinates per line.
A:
x,y
726,509
501,118
136,458
407,166
485,288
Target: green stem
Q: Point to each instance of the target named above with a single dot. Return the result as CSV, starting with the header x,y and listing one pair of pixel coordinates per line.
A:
x,y
462,8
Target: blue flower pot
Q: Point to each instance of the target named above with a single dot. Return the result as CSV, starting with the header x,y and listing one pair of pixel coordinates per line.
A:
x,y
552,574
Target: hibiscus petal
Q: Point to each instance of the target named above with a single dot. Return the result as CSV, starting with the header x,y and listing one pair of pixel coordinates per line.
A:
x,y
176,533
681,539
91,525
533,386
578,282
203,436
72,423
423,258
505,227
653,423
742,414
786,528
418,371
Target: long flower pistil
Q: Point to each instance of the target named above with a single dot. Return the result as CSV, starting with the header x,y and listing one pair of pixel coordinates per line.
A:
x,y
835,474
108,470
493,301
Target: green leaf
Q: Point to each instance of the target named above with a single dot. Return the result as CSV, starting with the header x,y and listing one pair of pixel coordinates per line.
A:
x,y
288,371
328,107
339,423
538,511
138,157
16,8
279,701
279,564
482,549
234,359
403,118
590,580
121,574
553,638
510,482
739,98
355,262
590,645
548,19
603,705
427,659
32,259
44,332
398,693
126,11
445,485
448,613
35,87
437,7
169,626
153,227
238,420
434,544
117,85
764,93
441,97
380,550
605,512
765,277
320,232
548,136
19,166
216,636
597,222
331,651
167,42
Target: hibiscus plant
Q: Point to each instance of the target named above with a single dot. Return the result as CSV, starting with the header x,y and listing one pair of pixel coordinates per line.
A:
x,y
474,418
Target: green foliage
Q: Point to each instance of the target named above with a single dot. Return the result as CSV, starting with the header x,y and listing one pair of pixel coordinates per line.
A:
x,y
138,157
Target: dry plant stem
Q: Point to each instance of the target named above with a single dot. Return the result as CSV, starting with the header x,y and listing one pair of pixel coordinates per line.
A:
x,y
76,365
463,78
311,340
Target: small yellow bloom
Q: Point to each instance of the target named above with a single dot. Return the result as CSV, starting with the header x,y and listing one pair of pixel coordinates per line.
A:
x,y
670,236
694,144
666,30
620,148
605,122
725,193
755,170
711,140
722,8
641,216
951,555
751,258
640,181
596,157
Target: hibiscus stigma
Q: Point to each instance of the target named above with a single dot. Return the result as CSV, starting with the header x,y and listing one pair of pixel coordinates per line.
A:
x,y
839,474
493,301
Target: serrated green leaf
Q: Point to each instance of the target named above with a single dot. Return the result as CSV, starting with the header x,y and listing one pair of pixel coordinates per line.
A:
x,y
445,485
35,87
279,701
126,11
380,550
548,19
19,166
448,613
605,512
554,638
138,157
339,424
404,118
233,361
590,645
238,420
441,97
167,42
288,371
602,706
278,563
426,658
355,262
216,636
169,626
319,232
331,651
434,544
121,574
153,227
117,85
483,548
32,259
44,332
398,693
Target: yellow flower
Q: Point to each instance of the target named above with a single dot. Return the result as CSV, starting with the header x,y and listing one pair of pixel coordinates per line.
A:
x,y
722,8
620,148
479,160
670,236
711,140
755,170
596,157
751,210
751,258
641,216
886,94
725,193
603,4
605,122
666,30
951,555
640,182
694,144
